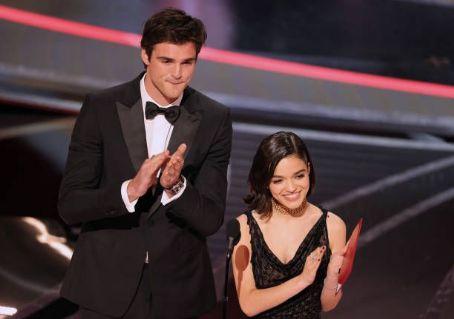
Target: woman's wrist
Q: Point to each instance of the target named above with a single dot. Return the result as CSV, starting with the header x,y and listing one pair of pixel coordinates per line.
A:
x,y
303,282
332,277
330,282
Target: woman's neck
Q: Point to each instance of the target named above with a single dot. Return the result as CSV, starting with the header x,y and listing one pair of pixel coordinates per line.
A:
x,y
279,209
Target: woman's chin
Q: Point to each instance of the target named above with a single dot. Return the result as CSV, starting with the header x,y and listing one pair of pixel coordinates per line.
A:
x,y
292,204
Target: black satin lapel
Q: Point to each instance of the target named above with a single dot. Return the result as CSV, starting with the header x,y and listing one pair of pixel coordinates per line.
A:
x,y
133,128
184,130
157,204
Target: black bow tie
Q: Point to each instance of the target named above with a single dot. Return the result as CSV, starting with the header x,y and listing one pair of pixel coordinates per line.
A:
x,y
171,113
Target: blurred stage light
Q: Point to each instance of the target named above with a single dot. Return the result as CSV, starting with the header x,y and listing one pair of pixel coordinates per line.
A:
x,y
7,311
55,242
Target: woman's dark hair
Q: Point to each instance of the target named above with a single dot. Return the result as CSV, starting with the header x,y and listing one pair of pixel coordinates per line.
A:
x,y
174,26
269,153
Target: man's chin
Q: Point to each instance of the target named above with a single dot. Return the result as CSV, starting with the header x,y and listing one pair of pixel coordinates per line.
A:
x,y
173,95
171,98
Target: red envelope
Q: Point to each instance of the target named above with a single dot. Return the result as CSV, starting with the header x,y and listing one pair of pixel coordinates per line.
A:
x,y
349,256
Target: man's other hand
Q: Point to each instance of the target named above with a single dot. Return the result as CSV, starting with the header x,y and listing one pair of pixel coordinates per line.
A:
x,y
172,169
146,177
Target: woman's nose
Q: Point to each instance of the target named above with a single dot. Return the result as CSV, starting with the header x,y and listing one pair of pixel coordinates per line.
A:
x,y
291,185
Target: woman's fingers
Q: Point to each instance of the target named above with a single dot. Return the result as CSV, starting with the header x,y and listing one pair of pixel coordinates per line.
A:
x,y
313,261
315,257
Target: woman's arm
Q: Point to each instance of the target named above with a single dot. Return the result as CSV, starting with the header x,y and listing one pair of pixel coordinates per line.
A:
x,y
254,301
330,297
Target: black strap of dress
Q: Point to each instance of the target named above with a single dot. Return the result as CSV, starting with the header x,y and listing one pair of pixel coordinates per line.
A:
x,y
269,271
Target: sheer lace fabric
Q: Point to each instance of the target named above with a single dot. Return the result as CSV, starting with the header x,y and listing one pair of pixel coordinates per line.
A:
x,y
269,271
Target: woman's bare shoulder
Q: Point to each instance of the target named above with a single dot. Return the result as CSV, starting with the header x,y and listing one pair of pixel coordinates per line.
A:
x,y
334,221
336,231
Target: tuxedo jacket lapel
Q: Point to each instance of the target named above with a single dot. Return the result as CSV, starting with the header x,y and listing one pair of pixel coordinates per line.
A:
x,y
184,130
133,129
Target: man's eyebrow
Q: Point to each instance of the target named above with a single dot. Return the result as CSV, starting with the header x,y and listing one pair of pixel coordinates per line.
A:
x,y
163,57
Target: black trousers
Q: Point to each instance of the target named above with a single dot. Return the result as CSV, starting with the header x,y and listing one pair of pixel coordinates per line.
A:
x,y
140,307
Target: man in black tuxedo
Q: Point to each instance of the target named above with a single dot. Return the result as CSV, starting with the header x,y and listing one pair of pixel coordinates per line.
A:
x,y
146,178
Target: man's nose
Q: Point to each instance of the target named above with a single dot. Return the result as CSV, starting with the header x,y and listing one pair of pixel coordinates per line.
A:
x,y
177,71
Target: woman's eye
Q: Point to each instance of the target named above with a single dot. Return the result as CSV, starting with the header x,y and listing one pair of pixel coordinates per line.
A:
x,y
276,181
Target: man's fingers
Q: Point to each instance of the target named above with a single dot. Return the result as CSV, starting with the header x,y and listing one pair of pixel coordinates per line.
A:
x,y
174,164
176,160
177,165
180,150
161,156
158,160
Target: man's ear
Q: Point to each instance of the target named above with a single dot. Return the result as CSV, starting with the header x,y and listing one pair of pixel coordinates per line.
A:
x,y
144,56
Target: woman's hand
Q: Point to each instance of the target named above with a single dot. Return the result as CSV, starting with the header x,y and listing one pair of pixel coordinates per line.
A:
x,y
311,265
335,263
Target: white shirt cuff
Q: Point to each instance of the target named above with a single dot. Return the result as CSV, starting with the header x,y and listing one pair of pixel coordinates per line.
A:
x,y
130,206
165,199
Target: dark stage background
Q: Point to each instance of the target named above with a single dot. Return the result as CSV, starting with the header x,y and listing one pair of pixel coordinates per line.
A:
x,y
369,85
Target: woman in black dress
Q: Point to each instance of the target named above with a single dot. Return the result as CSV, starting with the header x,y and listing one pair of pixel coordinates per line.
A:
x,y
287,262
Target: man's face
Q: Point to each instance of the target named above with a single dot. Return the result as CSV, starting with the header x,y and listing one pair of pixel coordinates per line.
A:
x,y
169,70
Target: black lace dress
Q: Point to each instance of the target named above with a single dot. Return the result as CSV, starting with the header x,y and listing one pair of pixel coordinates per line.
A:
x,y
269,271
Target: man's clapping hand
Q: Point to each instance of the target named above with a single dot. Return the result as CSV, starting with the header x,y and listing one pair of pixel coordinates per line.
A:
x,y
172,169
146,177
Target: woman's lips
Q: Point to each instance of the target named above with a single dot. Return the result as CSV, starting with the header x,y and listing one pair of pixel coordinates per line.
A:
x,y
292,197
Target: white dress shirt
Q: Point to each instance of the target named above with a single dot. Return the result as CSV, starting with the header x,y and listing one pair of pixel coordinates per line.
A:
x,y
157,133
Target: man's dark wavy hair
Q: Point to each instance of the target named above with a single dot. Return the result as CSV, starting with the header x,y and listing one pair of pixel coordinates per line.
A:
x,y
174,26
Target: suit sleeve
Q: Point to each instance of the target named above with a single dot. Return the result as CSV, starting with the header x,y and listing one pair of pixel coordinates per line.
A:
x,y
83,195
202,204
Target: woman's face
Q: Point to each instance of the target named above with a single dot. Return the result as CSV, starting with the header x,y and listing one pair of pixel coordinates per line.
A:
x,y
290,182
